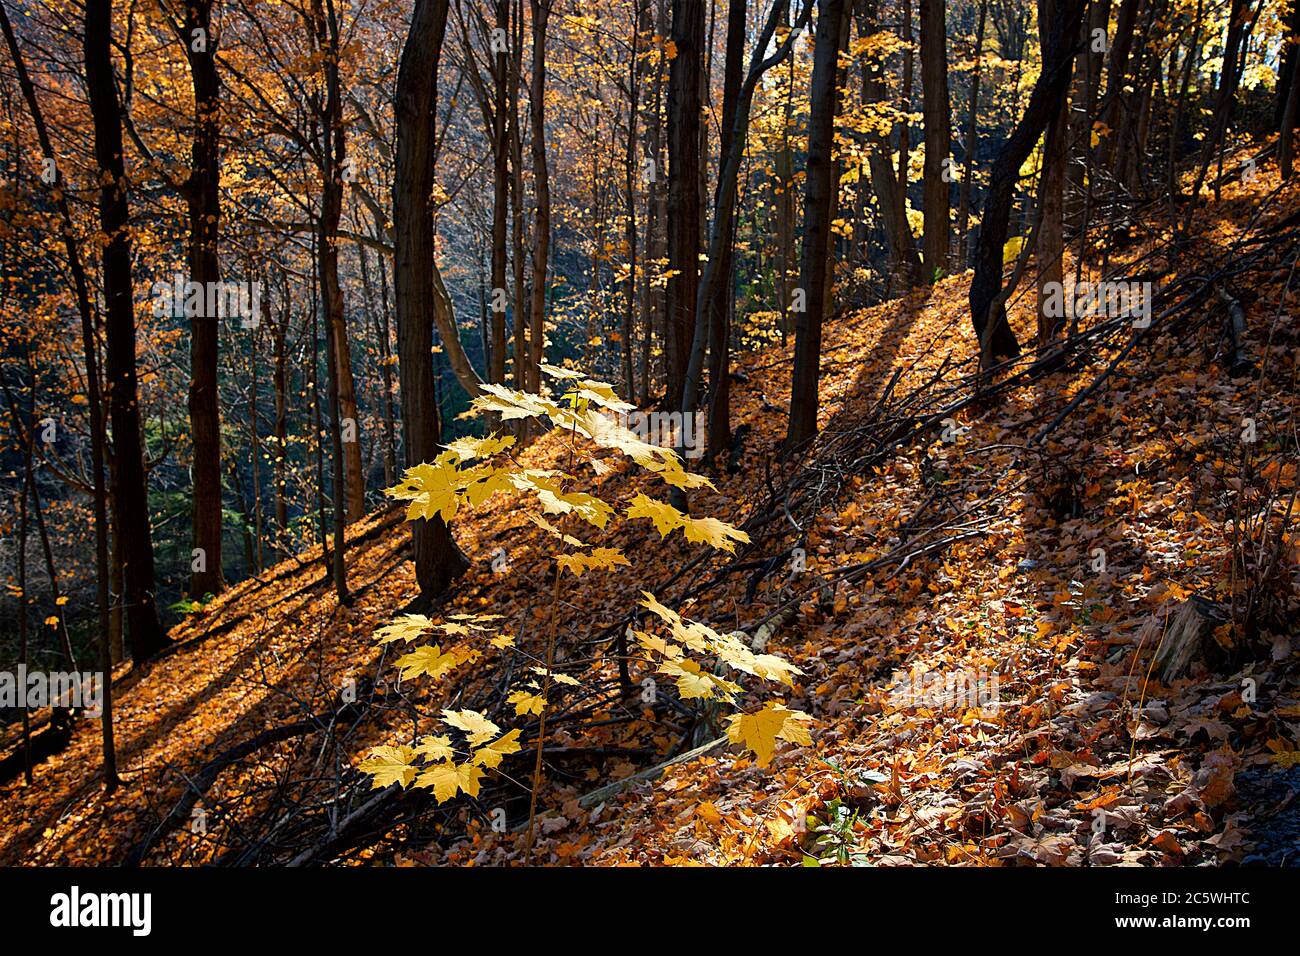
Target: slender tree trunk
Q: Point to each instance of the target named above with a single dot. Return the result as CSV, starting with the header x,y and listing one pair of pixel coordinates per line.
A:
x,y
814,266
905,125
202,192
386,357
654,304
721,295
1229,78
1180,110
629,210
130,489
116,600
438,561
280,384
500,196
333,151
1051,237
716,286
378,324
938,137
254,436
685,97
783,170
23,610
1084,113
1121,48
542,189
987,300
96,412
972,137
339,505
905,264
318,427
1290,115
1286,74
520,296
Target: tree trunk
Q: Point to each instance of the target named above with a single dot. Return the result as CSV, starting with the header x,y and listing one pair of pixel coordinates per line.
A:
x,y
988,311
334,159
1286,74
95,401
720,297
905,126
254,433
905,264
500,197
1087,87
783,175
938,137
1286,139
1051,238
280,383
519,298
814,266
130,488
379,324
542,190
386,357
318,428
341,486
1229,77
203,198
715,293
685,97
438,561
972,136
630,173
1180,110
1116,70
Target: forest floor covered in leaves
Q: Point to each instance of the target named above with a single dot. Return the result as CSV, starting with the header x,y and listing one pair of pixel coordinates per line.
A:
x,y
933,543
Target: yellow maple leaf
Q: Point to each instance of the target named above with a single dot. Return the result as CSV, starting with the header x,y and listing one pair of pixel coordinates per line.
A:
x,y
484,482
556,371
432,661
405,628
389,765
666,518
673,473
469,448
469,776
509,403
435,748
599,558
478,727
659,646
692,682
760,731
490,756
430,488
557,677
526,703
443,778
713,532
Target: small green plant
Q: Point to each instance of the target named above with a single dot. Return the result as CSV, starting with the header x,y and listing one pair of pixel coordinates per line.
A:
x,y
835,838
188,605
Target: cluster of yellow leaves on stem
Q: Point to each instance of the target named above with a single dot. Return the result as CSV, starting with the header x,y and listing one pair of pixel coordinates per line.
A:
x,y
472,470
